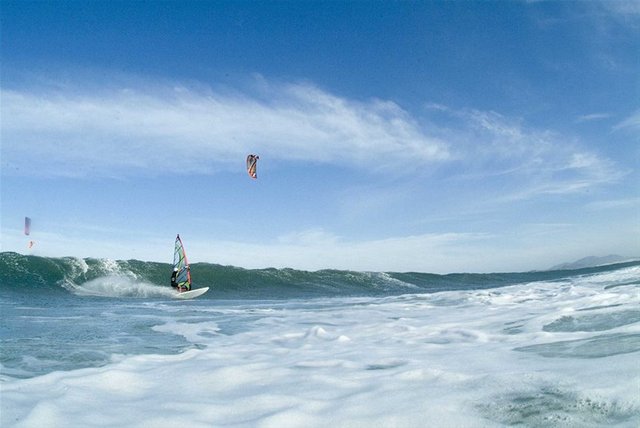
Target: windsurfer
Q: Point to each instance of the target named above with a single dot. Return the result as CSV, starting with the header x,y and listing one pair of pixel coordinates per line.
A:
x,y
174,281
174,274
181,276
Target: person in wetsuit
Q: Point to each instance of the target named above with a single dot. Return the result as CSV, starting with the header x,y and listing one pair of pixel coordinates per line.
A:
x,y
174,283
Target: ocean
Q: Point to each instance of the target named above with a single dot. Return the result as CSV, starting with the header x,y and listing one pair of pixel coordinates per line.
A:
x,y
101,343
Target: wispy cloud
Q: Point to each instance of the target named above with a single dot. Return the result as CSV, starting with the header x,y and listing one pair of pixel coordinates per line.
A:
x,y
593,117
310,237
627,9
308,249
317,248
132,131
631,123
120,131
529,161
615,204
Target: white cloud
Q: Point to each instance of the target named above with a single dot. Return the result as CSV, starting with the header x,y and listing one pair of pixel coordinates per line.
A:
x,y
615,204
317,236
530,162
126,131
628,9
593,117
310,250
89,131
531,246
631,123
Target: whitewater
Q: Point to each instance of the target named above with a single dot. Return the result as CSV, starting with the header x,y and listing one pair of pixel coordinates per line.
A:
x,y
97,343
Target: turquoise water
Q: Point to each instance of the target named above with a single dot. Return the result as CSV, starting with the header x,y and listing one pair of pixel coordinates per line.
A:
x,y
266,347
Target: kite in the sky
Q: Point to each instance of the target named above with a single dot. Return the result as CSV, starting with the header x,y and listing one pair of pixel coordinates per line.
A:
x,y
252,161
27,226
27,230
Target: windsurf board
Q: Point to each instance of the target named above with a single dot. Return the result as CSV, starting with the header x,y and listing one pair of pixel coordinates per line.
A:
x,y
191,294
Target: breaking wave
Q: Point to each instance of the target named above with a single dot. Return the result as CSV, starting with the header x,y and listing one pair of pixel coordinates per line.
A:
x,y
135,278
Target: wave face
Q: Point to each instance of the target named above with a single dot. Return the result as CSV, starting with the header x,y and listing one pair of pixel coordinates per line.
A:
x,y
134,278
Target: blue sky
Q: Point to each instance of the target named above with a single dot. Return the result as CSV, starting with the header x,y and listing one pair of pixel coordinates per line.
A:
x,y
393,136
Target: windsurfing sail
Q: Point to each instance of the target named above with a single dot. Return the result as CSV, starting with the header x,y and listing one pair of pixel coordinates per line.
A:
x,y
181,266
27,226
252,161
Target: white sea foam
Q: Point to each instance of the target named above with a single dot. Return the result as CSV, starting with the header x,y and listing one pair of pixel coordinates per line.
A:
x,y
121,286
539,354
78,266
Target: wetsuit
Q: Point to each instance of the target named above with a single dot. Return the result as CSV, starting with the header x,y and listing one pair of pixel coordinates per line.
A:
x,y
174,284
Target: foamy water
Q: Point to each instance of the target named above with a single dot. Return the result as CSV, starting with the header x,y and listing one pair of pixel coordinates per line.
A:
x,y
562,353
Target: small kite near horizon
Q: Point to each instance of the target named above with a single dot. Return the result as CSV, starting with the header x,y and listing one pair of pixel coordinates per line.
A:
x,y
27,231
